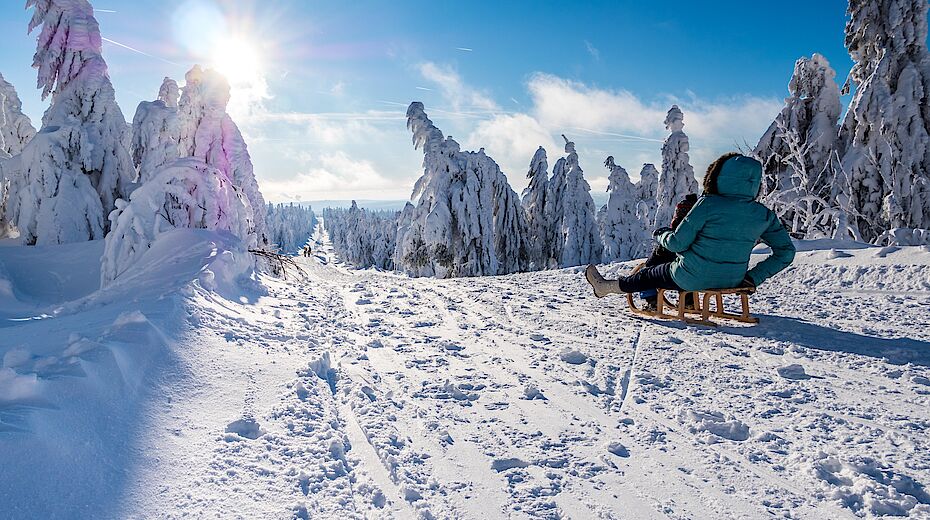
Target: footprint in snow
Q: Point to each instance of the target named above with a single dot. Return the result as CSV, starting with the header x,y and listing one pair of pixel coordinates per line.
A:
x,y
572,356
618,449
245,428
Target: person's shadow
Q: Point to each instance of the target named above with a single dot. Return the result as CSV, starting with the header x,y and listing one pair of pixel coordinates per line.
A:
x,y
897,351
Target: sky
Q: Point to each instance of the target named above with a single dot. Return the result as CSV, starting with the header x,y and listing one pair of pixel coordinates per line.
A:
x,y
320,89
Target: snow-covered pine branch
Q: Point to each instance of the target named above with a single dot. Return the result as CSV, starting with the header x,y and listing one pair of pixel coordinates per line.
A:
x,y
571,213
797,148
156,132
467,221
677,177
622,232
187,193
883,141
80,153
289,226
209,133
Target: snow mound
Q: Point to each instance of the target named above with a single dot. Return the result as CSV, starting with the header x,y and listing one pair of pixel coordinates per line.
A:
x,y
572,356
713,426
866,487
245,428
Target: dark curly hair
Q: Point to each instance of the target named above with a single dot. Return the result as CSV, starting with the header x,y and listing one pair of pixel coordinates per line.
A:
x,y
713,171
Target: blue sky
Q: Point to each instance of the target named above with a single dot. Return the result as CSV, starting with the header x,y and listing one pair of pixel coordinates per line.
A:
x,y
321,87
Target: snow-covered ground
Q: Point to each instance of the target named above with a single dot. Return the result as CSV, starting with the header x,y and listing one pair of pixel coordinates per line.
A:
x,y
188,389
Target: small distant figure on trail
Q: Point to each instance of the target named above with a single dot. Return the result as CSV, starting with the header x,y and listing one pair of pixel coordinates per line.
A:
x,y
709,247
307,250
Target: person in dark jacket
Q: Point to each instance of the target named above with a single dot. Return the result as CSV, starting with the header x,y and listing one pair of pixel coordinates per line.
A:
x,y
713,243
660,255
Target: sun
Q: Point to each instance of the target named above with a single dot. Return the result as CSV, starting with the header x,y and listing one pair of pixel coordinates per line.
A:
x,y
239,60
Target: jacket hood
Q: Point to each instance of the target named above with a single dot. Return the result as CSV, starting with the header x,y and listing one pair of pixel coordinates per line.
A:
x,y
740,177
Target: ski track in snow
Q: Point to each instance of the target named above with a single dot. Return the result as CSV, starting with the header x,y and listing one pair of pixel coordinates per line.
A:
x,y
361,394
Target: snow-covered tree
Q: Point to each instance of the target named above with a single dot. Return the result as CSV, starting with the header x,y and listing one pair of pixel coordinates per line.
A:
x,y
571,213
289,226
187,193
677,177
15,127
169,93
622,233
647,189
15,131
797,149
361,237
209,133
78,165
156,133
534,206
467,220
884,140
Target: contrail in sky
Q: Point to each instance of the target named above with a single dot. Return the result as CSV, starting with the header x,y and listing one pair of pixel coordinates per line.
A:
x,y
140,52
104,11
424,88
465,49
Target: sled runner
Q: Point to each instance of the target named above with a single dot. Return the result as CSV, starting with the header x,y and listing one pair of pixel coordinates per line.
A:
x,y
701,313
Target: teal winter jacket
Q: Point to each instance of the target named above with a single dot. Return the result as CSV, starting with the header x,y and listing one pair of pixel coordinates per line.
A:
x,y
714,241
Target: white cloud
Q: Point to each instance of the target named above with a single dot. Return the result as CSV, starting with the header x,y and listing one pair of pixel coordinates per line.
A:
x,y
454,90
335,176
512,139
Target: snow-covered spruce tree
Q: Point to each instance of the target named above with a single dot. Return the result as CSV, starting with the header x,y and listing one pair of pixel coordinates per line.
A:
x,y
622,233
797,149
209,133
647,189
534,206
677,177
156,133
76,167
572,214
187,193
884,140
15,127
467,220
15,131
289,226
361,237
169,93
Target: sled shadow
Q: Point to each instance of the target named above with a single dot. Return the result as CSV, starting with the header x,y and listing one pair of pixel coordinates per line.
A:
x,y
897,351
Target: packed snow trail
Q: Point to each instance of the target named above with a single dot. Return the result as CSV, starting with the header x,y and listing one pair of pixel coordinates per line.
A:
x,y
346,393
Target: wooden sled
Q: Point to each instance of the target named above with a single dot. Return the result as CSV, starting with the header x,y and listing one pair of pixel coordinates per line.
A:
x,y
701,313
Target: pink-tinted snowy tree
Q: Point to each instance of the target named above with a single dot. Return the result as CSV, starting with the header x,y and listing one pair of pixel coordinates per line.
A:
x,y
209,133
73,171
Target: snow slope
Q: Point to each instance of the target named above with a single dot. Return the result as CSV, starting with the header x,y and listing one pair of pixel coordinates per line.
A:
x,y
346,393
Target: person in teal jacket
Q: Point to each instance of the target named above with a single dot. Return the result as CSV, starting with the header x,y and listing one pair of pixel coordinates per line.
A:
x,y
714,241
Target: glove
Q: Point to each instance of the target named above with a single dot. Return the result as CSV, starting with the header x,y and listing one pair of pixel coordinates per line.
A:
x,y
656,233
747,283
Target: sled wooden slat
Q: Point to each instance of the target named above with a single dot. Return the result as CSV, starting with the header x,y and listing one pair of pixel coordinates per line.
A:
x,y
701,313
